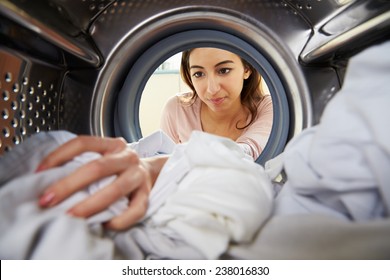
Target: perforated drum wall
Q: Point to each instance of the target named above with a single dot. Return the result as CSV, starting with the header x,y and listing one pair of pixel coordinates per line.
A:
x,y
30,101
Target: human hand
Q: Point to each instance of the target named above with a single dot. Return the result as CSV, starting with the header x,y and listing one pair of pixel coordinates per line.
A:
x,y
135,178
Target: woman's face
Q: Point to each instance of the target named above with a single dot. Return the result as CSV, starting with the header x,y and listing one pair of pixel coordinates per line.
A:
x,y
218,77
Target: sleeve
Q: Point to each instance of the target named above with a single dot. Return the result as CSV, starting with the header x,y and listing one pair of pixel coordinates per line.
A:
x,y
168,117
255,137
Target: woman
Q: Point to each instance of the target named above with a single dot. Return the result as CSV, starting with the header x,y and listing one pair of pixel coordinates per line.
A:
x,y
233,107
226,100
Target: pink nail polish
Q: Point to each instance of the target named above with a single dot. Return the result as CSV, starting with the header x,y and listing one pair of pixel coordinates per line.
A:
x,y
46,199
39,168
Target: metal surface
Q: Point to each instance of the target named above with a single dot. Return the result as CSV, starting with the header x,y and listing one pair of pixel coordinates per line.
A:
x,y
59,23
29,100
63,62
359,23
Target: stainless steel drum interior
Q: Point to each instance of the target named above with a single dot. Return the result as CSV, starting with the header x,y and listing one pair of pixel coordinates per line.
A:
x,y
64,64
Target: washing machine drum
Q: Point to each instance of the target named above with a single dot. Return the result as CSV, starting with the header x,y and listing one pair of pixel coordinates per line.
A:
x,y
85,68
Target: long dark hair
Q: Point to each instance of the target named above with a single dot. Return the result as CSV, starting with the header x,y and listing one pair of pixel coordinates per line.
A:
x,y
251,94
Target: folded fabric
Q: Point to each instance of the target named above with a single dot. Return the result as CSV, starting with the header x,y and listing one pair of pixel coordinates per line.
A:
x,y
23,222
208,195
215,196
30,232
341,166
335,203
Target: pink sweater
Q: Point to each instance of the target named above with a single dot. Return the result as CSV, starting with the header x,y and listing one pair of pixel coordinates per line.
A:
x,y
178,121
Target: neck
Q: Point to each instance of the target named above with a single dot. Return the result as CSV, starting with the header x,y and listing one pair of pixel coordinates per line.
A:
x,y
232,116
223,123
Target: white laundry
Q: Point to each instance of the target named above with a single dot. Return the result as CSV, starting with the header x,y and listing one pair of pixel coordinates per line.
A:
x,y
341,166
214,195
21,219
28,231
154,144
208,195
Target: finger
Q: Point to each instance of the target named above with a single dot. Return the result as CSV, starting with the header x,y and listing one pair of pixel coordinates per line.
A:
x,y
126,183
96,203
79,145
87,174
137,208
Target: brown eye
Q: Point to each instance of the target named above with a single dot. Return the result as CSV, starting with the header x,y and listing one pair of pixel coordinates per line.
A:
x,y
197,74
224,71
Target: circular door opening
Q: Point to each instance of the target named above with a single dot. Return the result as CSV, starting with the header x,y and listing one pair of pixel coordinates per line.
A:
x,y
127,123
121,82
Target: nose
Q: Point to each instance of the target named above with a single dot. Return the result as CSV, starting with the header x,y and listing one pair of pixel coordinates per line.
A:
x,y
213,85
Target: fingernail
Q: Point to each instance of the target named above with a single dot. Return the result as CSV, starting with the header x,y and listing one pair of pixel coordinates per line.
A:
x,y
40,168
70,212
46,199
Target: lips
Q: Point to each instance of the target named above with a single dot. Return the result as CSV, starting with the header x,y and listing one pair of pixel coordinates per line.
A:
x,y
217,101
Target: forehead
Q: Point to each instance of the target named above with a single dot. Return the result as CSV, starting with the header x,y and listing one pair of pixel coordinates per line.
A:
x,y
211,56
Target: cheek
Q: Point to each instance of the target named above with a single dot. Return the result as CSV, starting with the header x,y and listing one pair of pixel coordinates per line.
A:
x,y
234,86
200,87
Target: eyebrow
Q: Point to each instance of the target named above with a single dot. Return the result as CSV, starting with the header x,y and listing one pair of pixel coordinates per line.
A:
x,y
216,65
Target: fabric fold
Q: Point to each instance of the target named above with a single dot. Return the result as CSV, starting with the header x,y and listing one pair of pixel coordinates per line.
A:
x,y
341,166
